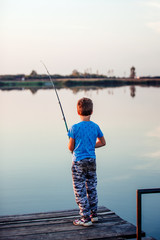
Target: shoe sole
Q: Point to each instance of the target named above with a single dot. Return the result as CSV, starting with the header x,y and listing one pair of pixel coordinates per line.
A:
x,y
94,219
83,224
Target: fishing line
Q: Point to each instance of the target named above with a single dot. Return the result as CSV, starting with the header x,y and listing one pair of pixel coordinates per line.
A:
x,y
57,96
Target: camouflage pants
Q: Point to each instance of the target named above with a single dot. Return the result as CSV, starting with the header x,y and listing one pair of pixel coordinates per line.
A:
x,y
84,185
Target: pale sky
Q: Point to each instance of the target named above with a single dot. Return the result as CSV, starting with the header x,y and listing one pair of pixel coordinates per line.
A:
x,y
85,35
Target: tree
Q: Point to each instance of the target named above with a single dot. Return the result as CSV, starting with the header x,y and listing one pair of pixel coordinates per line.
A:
x,y
33,73
75,73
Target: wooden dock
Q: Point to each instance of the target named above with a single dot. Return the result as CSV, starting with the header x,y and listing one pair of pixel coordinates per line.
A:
x,y
58,225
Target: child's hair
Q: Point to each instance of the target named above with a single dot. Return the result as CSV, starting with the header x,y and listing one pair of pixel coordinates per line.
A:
x,y
85,107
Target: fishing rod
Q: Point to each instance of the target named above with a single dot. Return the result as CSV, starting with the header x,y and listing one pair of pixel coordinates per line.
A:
x,y
57,96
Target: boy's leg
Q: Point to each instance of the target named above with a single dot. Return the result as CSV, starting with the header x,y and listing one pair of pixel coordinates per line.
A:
x,y
91,185
78,175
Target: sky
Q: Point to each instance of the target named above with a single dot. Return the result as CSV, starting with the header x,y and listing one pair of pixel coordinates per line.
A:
x,y
95,36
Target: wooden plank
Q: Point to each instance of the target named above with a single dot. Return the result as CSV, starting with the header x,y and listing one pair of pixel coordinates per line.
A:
x,y
109,216
55,214
59,225
144,238
48,219
62,232
64,237
114,228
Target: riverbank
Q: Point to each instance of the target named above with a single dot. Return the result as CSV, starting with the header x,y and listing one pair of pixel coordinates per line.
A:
x,y
37,82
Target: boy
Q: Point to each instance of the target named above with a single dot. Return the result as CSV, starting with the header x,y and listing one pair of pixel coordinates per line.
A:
x,y
82,143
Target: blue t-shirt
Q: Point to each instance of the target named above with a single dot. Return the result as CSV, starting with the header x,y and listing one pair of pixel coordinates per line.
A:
x,y
85,134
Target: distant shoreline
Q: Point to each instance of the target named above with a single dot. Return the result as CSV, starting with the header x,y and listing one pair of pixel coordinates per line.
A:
x,y
42,81
70,81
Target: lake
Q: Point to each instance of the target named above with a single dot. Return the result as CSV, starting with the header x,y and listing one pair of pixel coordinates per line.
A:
x,y
35,173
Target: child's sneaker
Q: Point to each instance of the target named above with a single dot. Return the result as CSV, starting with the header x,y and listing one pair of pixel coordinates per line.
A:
x,y
83,221
94,217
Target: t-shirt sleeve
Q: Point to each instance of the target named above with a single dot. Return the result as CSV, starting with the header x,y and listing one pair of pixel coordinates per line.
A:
x,y
100,133
71,133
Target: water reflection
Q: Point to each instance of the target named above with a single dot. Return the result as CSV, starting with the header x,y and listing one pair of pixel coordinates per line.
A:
x,y
133,91
35,171
75,90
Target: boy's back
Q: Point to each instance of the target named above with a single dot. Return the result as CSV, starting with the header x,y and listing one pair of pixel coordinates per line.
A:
x,y
85,134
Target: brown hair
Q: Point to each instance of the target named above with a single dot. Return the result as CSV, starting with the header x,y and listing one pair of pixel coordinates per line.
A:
x,y
85,106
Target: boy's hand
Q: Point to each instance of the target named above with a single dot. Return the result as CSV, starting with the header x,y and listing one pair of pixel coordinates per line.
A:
x,y
101,142
71,144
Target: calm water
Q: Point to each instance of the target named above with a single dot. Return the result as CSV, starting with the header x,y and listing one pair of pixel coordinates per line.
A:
x,y
35,173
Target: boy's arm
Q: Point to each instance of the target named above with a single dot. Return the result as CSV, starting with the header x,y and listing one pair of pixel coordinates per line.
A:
x,y
101,142
71,144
